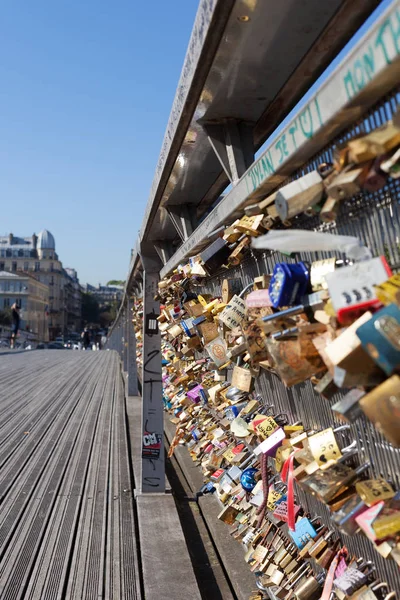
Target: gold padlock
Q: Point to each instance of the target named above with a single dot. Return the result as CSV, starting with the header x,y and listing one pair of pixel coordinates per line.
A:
x,y
324,447
382,407
372,491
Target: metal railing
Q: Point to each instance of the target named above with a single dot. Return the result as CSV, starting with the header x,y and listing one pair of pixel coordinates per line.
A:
x,y
372,217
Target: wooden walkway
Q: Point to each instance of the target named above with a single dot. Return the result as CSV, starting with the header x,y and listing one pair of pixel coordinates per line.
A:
x,y
67,526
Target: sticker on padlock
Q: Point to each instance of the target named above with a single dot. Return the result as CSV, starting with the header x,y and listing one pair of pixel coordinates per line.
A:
x,y
271,444
366,519
217,349
267,427
273,497
234,313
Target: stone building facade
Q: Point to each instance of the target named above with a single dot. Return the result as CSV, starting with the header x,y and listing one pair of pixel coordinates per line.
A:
x,y
36,255
32,297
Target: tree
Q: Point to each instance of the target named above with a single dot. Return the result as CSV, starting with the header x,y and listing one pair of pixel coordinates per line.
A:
x,y
90,309
5,316
116,282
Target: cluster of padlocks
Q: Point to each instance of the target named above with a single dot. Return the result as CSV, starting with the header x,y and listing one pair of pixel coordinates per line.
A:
x,y
334,322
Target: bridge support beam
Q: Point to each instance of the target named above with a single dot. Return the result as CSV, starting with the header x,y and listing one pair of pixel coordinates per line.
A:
x,y
182,217
232,142
153,462
132,366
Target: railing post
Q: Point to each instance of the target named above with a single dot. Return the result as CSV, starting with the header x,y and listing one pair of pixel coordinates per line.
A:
x,y
132,367
125,326
153,461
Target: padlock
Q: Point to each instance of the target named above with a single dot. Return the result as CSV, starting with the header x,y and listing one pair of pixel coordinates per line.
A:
x,y
250,225
215,255
271,218
369,592
295,360
380,336
352,579
324,447
389,291
345,517
298,577
382,407
289,284
234,313
348,183
230,287
319,546
387,525
256,340
297,196
352,288
378,142
347,353
310,589
329,210
372,491
321,530
326,557
376,178
328,484
391,166
237,256
217,350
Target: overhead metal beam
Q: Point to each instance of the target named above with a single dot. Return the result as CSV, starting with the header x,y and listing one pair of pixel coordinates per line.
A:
x,y
164,250
232,142
183,219
368,71
211,19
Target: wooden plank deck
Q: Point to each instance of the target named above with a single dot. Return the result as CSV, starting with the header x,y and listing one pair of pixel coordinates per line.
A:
x,y
67,526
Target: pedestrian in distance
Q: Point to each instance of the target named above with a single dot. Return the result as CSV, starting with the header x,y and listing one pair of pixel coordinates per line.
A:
x,y
16,319
86,338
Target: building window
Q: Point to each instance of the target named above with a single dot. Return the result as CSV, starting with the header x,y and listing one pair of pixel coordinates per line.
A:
x,y
51,266
2,266
37,266
6,302
26,266
20,253
14,266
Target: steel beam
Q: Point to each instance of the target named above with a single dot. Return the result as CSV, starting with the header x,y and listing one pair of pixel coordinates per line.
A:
x,y
232,142
182,217
132,366
369,70
153,462
164,250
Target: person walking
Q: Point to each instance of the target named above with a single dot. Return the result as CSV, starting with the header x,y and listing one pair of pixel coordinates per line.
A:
x,y
86,338
16,319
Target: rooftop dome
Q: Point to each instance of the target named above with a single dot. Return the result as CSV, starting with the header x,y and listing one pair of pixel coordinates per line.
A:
x,y
46,241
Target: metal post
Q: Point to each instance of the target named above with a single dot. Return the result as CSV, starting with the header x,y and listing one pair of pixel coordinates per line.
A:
x,y
132,367
125,325
153,462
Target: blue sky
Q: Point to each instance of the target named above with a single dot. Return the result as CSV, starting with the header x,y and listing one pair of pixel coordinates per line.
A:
x,y
86,91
